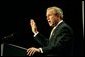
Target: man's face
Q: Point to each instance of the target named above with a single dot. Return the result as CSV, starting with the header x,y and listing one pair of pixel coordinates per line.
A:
x,y
52,18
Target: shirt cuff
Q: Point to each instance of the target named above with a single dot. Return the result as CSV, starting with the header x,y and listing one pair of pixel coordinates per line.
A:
x,y
36,34
41,50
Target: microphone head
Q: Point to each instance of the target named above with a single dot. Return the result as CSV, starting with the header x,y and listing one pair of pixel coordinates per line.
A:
x,y
8,38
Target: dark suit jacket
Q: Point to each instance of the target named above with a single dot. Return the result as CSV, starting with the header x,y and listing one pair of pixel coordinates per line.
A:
x,y
60,43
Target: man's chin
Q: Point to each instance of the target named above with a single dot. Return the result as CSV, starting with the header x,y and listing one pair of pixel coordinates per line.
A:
x,y
50,25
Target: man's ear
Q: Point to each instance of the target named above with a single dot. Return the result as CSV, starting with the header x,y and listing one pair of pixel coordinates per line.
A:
x,y
57,15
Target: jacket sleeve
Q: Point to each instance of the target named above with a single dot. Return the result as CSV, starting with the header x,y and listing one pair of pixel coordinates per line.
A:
x,y
43,41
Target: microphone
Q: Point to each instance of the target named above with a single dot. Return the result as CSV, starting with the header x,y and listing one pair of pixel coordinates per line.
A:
x,y
11,35
8,38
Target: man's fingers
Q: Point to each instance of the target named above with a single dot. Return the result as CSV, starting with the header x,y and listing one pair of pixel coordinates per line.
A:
x,y
32,22
31,51
28,51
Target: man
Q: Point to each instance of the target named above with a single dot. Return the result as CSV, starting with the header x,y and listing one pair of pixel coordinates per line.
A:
x,y
60,40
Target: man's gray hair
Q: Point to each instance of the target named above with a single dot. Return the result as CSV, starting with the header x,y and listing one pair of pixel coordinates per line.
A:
x,y
57,10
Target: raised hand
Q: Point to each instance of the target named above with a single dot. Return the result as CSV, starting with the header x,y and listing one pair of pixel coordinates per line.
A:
x,y
33,26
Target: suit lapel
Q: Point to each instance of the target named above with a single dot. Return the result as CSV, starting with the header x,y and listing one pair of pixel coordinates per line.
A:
x,y
55,30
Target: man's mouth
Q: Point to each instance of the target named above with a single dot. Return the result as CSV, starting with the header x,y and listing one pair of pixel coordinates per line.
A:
x,y
49,21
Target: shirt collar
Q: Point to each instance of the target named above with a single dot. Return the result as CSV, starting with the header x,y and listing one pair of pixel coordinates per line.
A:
x,y
58,23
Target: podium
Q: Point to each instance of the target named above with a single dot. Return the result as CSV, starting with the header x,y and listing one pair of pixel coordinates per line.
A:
x,y
12,50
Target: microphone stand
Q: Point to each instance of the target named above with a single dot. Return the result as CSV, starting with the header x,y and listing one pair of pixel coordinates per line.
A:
x,y
2,44
2,48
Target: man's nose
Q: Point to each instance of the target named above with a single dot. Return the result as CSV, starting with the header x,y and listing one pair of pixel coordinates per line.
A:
x,y
47,18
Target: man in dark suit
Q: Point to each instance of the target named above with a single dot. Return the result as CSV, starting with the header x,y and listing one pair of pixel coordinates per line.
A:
x,y
61,37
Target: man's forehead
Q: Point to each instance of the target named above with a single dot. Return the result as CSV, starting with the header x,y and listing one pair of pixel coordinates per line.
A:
x,y
51,11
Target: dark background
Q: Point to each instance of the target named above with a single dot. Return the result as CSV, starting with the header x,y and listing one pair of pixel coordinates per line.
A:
x,y
16,15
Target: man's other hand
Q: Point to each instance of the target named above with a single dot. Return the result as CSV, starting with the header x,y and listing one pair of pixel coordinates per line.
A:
x,y
32,51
